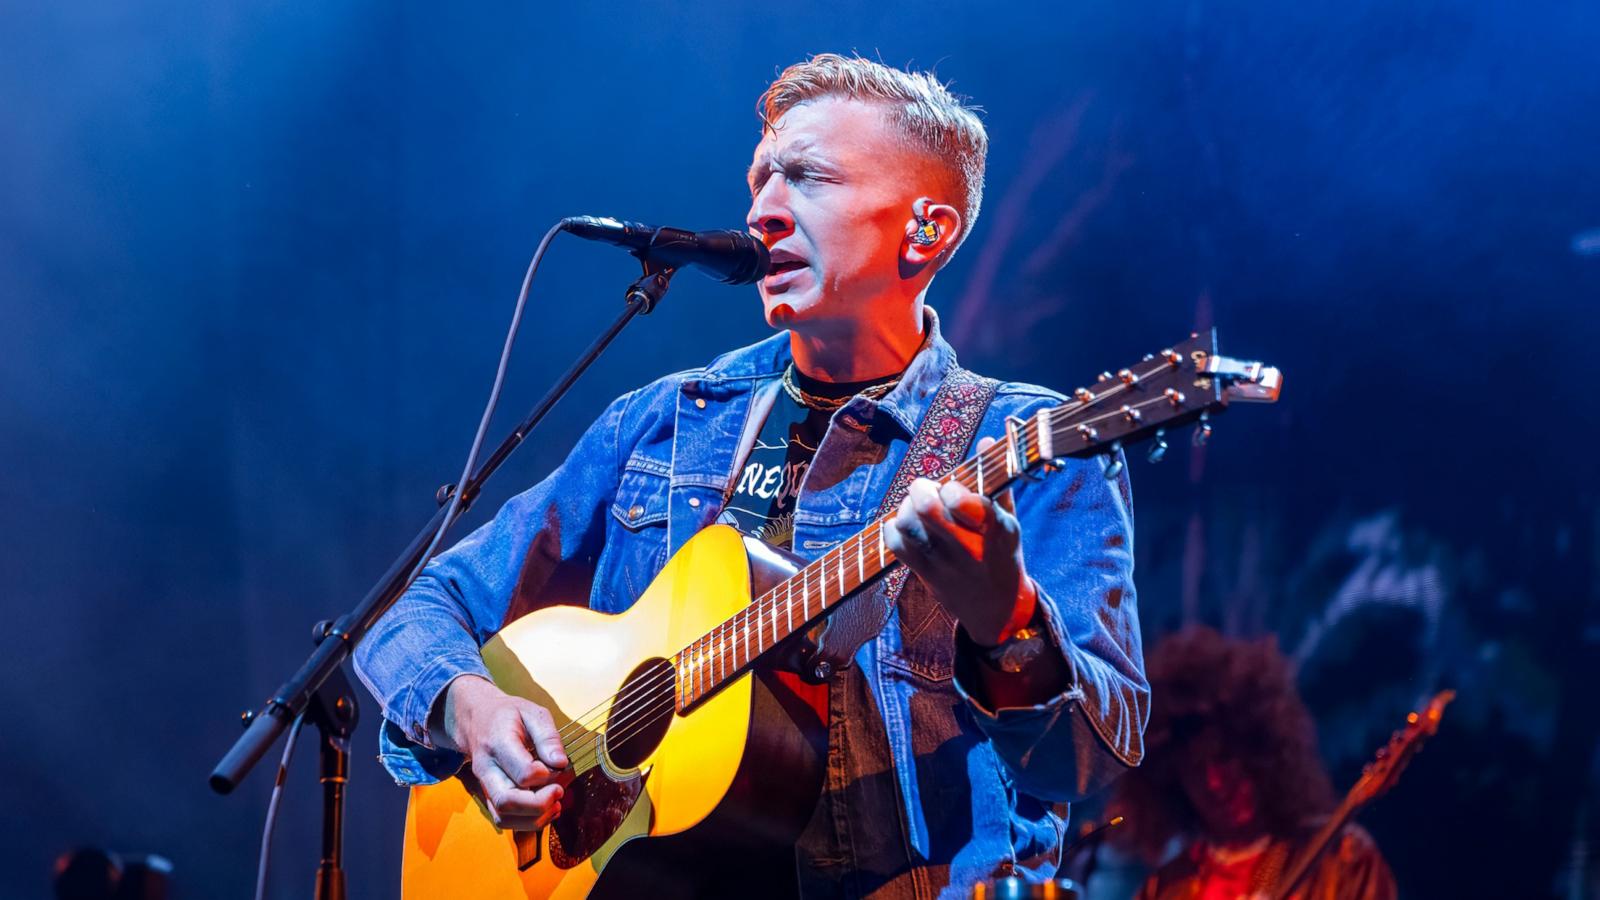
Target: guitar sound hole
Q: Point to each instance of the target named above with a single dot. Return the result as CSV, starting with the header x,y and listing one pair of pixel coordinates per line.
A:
x,y
641,713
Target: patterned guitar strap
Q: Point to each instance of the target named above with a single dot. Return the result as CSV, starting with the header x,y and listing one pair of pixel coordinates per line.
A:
x,y
940,444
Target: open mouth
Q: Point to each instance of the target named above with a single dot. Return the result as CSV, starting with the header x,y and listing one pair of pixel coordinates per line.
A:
x,y
782,266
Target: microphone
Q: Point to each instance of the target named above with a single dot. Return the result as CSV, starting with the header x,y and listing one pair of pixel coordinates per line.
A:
x,y
731,257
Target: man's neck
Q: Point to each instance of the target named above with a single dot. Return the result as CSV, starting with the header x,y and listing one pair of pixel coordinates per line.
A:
x,y
861,351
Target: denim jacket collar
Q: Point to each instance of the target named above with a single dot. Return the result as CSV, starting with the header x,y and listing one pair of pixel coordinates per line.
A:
x,y
904,405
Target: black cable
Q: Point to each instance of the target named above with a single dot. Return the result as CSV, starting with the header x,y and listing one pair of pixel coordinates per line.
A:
x,y
488,410
272,808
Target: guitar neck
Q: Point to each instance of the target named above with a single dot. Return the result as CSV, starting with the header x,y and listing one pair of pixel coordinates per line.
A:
x,y
1298,868
1164,390
1375,779
793,605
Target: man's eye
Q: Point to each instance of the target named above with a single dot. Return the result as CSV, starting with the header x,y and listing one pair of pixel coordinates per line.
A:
x,y
798,175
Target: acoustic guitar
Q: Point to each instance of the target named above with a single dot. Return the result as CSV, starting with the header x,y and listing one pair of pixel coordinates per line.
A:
x,y
679,732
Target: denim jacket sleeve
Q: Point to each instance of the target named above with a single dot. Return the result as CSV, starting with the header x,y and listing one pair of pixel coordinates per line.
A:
x,y
1077,537
551,532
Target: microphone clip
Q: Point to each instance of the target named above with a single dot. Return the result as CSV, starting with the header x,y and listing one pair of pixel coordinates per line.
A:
x,y
646,292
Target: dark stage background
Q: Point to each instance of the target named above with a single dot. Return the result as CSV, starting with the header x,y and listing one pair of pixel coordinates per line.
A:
x,y
256,261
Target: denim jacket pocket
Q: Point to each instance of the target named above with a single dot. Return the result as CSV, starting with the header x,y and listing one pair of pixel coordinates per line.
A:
x,y
641,500
636,540
927,639
923,670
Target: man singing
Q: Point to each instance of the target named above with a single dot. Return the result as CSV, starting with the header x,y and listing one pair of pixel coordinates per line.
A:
x,y
1008,676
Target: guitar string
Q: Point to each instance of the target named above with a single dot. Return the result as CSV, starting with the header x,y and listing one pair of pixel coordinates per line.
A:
x,y
643,700
633,710
633,717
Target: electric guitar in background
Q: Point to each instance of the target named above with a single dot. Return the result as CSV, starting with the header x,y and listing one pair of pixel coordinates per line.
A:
x,y
677,733
1376,779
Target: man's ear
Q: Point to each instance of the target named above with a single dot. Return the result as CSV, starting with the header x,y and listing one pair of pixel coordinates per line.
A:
x,y
931,230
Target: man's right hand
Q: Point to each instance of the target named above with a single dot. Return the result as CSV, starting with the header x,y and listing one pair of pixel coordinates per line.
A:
x,y
513,748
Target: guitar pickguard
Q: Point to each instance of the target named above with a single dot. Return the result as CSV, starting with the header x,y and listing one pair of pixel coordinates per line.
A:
x,y
592,809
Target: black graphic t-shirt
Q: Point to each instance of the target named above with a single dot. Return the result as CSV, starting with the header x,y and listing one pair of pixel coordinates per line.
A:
x,y
763,500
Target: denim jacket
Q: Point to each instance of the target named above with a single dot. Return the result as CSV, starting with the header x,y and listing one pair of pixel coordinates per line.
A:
x,y
936,791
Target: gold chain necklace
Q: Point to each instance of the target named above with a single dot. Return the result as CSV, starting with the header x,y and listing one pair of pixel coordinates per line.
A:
x,y
812,401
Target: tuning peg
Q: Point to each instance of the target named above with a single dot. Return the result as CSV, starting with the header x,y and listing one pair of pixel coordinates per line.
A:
x,y
1202,431
1158,450
1114,462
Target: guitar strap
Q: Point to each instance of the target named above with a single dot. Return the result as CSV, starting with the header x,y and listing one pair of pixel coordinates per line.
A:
x,y
943,437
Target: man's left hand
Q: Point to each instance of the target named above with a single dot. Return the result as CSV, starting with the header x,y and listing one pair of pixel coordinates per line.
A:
x,y
968,550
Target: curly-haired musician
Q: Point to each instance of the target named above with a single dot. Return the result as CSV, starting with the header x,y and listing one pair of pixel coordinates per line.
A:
x,y
1231,770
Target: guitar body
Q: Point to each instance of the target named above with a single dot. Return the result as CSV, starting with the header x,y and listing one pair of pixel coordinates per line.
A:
x,y
739,771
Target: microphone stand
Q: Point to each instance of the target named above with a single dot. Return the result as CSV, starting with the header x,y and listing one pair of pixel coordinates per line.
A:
x,y
320,684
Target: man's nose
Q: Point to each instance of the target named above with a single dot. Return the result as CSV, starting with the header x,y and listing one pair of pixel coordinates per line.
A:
x,y
769,215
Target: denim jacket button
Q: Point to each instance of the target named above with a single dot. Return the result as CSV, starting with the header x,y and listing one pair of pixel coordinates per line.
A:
x,y
635,511
699,403
694,502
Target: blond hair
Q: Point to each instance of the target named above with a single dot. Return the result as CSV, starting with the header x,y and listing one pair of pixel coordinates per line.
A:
x,y
934,120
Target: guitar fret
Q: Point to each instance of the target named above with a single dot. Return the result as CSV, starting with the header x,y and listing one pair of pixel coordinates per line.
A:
x,y
704,665
861,565
841,575
805,594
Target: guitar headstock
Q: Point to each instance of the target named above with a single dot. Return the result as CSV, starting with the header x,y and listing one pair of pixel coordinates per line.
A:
x,y
1184,383
1381,774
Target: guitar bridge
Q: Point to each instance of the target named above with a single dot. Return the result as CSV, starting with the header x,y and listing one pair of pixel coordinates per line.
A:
x,y
528,852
